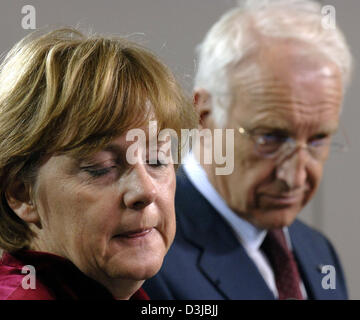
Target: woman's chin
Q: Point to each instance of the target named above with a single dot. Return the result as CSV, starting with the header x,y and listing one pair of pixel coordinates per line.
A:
x,y
137,267
144,274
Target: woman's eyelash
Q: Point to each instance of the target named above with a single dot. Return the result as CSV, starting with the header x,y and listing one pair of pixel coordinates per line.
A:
x,y
98,172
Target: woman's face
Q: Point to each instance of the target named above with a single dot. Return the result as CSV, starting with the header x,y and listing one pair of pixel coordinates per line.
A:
x,y
110,218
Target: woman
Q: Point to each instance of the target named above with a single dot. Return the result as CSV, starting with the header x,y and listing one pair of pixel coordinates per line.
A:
x,y
86,222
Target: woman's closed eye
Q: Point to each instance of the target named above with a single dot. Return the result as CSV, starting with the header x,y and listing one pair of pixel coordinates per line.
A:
x,y
95,171
100,169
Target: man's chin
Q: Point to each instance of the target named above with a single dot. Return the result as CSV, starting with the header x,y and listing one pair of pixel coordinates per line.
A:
x,y
275,218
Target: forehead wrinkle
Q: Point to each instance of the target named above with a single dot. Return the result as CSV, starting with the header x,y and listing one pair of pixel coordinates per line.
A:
x,y
296,122
287,100
283,69
251,86
292,106
265,92
273,89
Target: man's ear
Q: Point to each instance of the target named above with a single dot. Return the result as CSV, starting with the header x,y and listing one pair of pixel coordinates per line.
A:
x,y
19,200
202,103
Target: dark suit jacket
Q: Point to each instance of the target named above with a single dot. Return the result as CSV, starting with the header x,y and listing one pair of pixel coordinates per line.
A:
x,y
206,261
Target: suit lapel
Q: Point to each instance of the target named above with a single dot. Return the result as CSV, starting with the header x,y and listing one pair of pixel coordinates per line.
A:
x,y
227,266
310,262
234,274
222,259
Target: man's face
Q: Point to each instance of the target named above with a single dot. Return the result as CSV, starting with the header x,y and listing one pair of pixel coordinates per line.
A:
x,y
297,97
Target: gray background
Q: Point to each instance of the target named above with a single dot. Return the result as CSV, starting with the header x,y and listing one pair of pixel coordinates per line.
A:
x,y
172,28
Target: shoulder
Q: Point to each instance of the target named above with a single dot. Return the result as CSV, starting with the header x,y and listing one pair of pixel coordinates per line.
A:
x,y
40,292
192,208
308,234
313,245
315,251
16,282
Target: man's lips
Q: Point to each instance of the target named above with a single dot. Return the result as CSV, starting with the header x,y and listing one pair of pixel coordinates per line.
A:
x,y
282,199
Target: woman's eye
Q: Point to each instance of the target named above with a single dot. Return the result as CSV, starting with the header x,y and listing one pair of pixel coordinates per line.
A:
x,y
95,173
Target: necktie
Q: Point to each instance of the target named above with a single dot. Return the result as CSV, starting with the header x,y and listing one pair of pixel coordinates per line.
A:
x,y
282,260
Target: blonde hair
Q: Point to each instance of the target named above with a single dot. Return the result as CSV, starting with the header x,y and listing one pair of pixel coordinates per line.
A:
x,y
64,92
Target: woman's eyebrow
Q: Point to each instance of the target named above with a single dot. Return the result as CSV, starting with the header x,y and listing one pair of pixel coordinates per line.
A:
x,y
117,149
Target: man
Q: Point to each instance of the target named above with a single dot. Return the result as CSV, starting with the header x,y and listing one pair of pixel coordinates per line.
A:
x,y
275,75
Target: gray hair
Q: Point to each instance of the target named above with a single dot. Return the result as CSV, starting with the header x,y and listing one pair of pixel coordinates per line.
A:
x,y
240,31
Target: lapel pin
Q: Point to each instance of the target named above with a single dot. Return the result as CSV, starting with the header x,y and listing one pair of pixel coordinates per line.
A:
x,y
320,267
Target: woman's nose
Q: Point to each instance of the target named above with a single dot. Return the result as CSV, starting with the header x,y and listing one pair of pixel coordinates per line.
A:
x,y
140,190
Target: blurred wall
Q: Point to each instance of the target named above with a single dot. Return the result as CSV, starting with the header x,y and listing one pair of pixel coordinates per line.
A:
x,y
172,28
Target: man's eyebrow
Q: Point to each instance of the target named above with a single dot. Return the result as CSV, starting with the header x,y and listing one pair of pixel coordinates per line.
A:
x,y
269,122
270,126
329,129
286,129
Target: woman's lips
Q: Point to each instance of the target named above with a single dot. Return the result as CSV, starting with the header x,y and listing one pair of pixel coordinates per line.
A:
x,y
133,234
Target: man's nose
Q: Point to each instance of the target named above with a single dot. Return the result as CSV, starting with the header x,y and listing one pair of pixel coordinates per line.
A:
x,y
293,168
140,189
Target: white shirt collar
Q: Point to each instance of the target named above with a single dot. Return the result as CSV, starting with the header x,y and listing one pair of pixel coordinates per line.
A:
x,y
249,236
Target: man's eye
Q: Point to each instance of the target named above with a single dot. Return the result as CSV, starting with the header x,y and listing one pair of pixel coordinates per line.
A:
x,y
271,138
319,140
